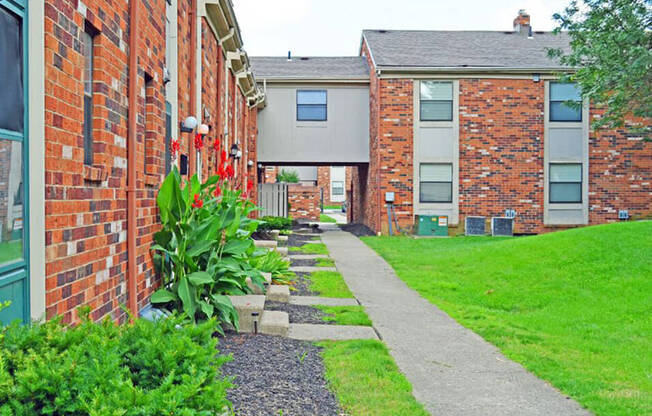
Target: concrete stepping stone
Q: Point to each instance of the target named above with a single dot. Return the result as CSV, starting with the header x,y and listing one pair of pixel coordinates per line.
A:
x,y
313,332
246,306
282,238
308,256
311,269
275,323
283,251
266,243
278,293
257,290
318,300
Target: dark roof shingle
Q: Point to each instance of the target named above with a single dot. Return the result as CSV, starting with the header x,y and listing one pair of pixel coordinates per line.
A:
x,y
423,48
324,67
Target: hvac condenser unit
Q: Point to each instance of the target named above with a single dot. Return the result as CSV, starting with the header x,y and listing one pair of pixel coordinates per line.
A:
x,y
501,226
432,225
474,225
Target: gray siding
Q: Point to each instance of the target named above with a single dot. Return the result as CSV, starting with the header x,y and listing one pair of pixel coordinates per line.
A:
x,y
343,138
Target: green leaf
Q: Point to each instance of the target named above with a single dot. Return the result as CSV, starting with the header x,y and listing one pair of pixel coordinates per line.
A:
x,y
200,248
237,247
163,296
207,308
200,278
187,298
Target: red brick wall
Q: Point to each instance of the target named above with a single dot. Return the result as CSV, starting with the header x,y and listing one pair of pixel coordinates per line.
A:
x,y
304,202
86,207
324,182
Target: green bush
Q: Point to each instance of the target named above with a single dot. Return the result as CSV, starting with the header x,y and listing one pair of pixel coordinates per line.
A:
x,y
272,262
288,176
140,369
275,223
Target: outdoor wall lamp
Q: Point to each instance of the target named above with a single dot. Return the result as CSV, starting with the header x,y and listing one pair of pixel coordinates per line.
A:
x,y
189,125
203,129
235,151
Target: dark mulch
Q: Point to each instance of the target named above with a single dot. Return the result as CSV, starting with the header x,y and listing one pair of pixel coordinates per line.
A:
x,y
358,230
299,314
304,262
302,286
307,228
276,376
297,240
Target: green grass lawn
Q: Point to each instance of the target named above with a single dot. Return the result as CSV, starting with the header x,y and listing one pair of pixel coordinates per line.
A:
x,y
329,285
366,380
333,207
326,218
10,251
346,315
310,248
574,307
325,262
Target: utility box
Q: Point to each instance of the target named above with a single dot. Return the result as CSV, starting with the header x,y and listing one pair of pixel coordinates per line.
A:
x,y
432,225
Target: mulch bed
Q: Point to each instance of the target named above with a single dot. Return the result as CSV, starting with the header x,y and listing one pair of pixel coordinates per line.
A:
x,y
299,314
301,286
358,230
297,240
275,376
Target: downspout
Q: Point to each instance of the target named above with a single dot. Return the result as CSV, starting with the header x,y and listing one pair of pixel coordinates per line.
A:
x,y
132,269
192,75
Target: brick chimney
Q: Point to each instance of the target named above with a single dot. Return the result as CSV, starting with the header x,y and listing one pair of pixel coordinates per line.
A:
x,y
522,22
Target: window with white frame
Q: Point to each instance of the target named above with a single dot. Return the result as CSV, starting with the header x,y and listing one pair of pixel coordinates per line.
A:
x,y
312,105
436,182
436,101
565,183
337,188
565,102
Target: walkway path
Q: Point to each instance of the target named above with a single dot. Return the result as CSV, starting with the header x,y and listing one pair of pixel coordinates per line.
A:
x,y
453,371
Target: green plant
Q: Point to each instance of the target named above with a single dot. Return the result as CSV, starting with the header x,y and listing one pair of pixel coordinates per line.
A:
x,y
326,218
324,262
272,262
288,176
345,315
203,247
275,223
310,248
136,369
329,284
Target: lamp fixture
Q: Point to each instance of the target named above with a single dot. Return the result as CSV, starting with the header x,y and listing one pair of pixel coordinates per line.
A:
x,y
203,129
234,151
188,125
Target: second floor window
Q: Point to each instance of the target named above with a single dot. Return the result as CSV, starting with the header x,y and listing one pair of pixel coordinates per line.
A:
x,y
312,105
436,100
87,50
565,102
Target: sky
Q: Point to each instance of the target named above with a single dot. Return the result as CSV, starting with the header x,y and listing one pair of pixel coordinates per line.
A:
x,y
333,27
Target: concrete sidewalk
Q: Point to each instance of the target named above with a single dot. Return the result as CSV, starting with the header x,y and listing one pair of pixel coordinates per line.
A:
x,y
453,371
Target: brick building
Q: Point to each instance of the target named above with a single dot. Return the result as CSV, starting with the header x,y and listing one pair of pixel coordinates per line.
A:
x,y
460,123
91,141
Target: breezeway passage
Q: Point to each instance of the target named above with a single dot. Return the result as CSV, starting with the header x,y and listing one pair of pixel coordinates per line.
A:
x,y
453,371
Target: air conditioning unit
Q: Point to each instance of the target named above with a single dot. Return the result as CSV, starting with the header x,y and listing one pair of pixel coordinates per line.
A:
x,y
475,225
502,227
623,214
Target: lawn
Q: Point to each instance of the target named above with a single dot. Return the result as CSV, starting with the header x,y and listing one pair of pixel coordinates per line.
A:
x,y
333,207
311,248
324,262
574,307
329,284
326,218
366,380
10,251
346,315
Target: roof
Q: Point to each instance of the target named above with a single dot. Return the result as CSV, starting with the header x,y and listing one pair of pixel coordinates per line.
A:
x,y
310,67
447,49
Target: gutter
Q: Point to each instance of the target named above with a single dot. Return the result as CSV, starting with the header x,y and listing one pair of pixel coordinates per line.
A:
x,y
470,69
132,269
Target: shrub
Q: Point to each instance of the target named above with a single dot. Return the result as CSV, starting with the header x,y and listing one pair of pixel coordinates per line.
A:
x,y
272,262
275,223
203,247
139,369
289,176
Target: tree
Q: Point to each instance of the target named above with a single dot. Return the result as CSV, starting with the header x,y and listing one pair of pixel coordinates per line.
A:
x,y
288,176
611,50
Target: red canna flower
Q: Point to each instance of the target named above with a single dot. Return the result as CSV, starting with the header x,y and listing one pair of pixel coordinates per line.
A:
x,y
250,185
217,192
229,171
199,141
175,146
198,202
216,145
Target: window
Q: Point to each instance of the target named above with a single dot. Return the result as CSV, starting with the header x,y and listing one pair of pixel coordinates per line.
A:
x,y
436,182
565,102
337,188
87,41
565,183
168,137
311,105
11,72
436,101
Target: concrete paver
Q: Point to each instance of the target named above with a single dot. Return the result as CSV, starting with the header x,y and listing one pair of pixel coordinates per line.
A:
x,y
311,269
315,332
453,371
317,300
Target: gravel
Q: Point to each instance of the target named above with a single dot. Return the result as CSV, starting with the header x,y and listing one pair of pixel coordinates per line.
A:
x,y
299,314
302,286
304,262
297,240
276,376
358,230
